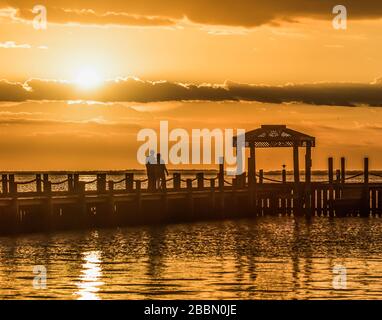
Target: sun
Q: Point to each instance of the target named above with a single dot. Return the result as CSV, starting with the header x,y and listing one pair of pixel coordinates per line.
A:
x,y
88,78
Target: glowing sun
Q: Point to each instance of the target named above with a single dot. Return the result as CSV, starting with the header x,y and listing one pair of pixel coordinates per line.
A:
x,y
88,78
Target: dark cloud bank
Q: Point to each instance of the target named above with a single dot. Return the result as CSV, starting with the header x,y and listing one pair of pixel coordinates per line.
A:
x,y
134,90
245,13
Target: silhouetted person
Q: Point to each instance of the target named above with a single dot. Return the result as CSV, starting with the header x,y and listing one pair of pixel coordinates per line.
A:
x,y
161,172
151,162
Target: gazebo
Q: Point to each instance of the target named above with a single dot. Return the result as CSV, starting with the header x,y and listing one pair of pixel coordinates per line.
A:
x,y
273,136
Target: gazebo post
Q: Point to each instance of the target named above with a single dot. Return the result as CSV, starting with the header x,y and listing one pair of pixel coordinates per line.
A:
x,y
308,163
308,178
296,189
296,169
253,163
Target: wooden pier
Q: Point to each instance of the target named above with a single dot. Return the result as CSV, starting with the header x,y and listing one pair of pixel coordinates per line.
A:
x,y
125,202
128,201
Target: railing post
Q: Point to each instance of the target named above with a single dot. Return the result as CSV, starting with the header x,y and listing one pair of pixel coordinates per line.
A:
x,y
330,170
111,186
177,180
101,182
47,187
4,183
331,189
283,174
189,197
338,175
129,181
366,170
200,180
221,174
70,183
212,187
138,186
343,170
81,187
366,209
261,176
76,182
12,184
38,183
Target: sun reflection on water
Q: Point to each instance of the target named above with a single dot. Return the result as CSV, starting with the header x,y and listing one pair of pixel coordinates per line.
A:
x,y
89,283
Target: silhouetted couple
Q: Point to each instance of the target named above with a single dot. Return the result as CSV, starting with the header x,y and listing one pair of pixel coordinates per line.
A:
x,y
156,171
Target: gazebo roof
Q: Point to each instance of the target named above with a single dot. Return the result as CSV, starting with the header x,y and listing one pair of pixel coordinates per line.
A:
x,y
271,136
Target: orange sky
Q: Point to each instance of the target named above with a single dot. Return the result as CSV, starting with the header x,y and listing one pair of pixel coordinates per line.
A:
x,y
275,46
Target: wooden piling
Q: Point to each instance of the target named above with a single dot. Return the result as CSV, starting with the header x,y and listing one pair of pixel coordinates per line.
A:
x,y
261,176
343,170
4,184
38,183
177,181
200,180
283,174
70,183
190,200
129,182
330,170
12,184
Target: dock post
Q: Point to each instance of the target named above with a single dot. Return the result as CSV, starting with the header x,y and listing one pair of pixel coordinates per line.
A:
x,y
129,182
343,170
47,186
48,207
101,183
45,180
331,187
76,181
111,216
330,170
221,174
366,170
4,184
177,181
14,208
283,174
338,175
12,184
38,183
138,191
296,189
261,176
200,180
83,209
308,179
366,207
190,199
251,186
213,201
70,183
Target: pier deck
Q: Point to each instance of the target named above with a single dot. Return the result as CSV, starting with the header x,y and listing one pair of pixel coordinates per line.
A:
x,y
126,202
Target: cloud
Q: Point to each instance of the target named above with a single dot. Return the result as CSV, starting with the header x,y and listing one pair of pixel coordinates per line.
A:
x,y
245,13
136,90
14,45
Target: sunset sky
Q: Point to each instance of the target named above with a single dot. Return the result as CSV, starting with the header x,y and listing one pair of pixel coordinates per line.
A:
x,y
74,95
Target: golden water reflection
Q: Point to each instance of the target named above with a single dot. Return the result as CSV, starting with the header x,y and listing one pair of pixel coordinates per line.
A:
x,y
89,283
262,258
